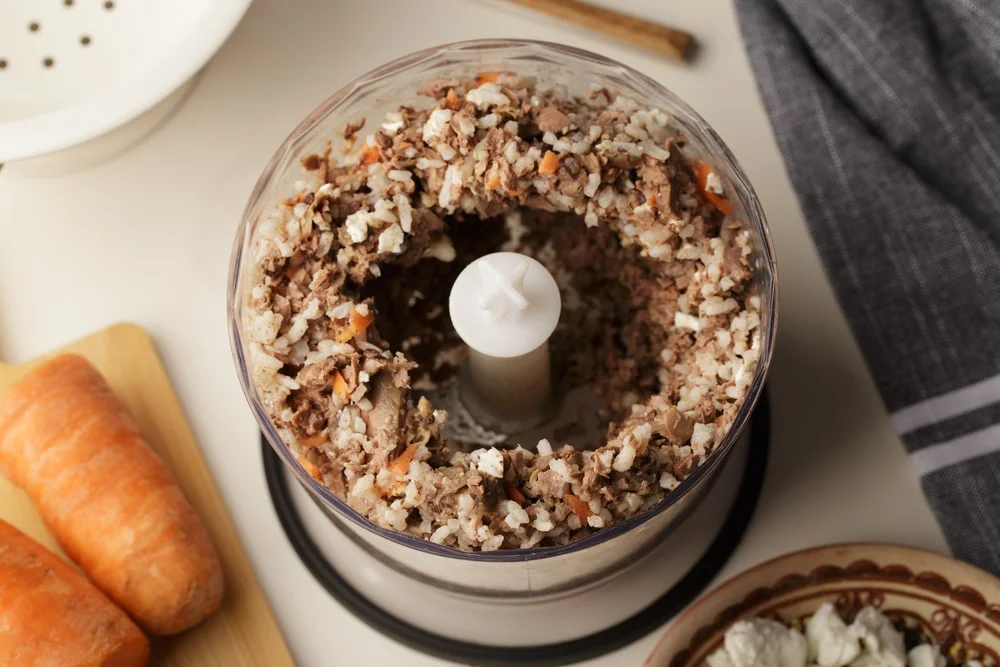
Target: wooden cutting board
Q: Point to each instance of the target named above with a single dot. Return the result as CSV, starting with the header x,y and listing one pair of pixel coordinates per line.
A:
x,y
243,632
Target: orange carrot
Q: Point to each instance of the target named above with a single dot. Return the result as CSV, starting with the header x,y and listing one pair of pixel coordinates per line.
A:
x,y
721,204
579,506
110,501
549,164
514,493
489,77
340,387
401,463
360,322
314,440
493,182
310,468
358,325
51,616
451,99
369,154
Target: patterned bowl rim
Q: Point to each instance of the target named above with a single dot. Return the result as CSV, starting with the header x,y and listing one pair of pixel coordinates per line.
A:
x,y
862,561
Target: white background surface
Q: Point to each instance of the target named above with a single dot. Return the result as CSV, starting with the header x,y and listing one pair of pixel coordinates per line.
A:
x,y
145,236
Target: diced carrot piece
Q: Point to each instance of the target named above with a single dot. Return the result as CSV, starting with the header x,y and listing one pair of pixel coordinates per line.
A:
x,y
311,468
580,507
514,493
489,77
340,387
397,490
652,199
721,204
401,463
313,441
360,322
451,99
701,172
369,154
493,182
550,163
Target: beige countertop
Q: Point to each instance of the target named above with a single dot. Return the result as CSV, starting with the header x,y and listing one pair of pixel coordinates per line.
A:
x,y
145,236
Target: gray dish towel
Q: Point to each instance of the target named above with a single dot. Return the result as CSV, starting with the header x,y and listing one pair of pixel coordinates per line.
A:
x,y
887,113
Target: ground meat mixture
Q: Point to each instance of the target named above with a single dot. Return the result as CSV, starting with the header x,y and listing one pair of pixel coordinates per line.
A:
x,y
348,324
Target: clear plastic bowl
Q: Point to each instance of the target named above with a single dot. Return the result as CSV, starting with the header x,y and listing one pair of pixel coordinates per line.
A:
x,y
524,573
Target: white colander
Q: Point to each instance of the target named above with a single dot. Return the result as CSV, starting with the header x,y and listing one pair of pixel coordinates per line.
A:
x,y
72,70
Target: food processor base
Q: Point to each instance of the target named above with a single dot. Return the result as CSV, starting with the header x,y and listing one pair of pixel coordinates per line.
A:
x,y
552,631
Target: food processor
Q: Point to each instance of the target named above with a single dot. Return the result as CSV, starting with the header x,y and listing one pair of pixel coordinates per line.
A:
x,y
539,605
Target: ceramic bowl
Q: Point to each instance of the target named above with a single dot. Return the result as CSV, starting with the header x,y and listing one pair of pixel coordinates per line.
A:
x,y
949,603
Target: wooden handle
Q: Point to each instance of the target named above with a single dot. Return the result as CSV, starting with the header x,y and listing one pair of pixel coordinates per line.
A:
x,y
653,36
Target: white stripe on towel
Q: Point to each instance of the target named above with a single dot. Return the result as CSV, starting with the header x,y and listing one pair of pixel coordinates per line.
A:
x,y
942,407
960,449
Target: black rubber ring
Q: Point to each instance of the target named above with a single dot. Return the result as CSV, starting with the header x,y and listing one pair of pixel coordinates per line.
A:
x,y
625,632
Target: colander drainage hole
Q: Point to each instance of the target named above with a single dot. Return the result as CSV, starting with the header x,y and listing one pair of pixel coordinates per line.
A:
x,y
3,63
109,5
68,3
49,62
85,40
34,26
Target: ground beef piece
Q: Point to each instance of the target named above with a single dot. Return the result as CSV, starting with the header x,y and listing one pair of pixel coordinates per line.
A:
x,y
686,465
384,418
545,484
493,493
674,426
515,466
351,129
309,412
735,266
438,86
551,119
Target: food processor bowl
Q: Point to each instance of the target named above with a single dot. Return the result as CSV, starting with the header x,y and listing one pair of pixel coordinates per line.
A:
x,y
518,574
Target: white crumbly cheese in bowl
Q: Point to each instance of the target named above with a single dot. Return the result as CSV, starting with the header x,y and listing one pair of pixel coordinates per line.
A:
x,y
761,642
869,641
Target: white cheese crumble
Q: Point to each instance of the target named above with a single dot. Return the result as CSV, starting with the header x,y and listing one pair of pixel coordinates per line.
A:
x,y
925,655
761,642
830,642
870,641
